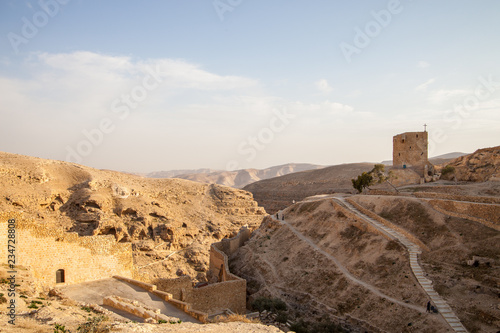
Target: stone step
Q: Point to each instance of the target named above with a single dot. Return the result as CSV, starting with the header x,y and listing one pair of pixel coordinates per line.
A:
x,y
454,321
456,325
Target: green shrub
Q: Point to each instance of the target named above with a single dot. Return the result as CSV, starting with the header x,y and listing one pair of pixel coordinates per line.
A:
x,y
282,317
319,327
32,306
363,180
95,325
447,170
60,329
269,304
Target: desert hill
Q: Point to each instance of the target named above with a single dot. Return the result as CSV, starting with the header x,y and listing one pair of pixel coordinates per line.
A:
x,y
480,166
460,255
237,178
159,216
175,173
277,193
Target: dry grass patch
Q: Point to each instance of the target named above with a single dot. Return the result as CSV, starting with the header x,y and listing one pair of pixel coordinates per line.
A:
x,y
235,317
29,325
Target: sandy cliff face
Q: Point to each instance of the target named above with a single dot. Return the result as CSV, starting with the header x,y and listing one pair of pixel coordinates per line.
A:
x,y
159,216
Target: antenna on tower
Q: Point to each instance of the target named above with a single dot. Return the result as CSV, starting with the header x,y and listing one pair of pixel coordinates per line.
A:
x,y
425,127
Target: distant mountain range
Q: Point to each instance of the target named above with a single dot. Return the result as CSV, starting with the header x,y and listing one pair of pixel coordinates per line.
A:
x,y
237,178
244,177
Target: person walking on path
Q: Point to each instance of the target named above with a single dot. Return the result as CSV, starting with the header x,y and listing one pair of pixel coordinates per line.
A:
x,y
428,306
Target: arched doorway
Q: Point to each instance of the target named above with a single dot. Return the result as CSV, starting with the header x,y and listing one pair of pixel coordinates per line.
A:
x,y
60,278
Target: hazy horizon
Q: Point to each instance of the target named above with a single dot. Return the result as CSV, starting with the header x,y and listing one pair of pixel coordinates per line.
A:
x,y
237,84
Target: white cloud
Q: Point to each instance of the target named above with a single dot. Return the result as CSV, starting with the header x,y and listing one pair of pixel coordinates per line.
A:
x,y
447,95
423,86
325,108
323,86
56,97
423,64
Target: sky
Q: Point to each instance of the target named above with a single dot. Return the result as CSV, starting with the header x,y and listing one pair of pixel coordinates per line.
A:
x,y
231,84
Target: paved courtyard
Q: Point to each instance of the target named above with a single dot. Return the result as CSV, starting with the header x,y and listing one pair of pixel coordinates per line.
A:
x,y
94,292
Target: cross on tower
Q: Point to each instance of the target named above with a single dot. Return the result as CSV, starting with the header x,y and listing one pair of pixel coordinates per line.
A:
x,y
425,127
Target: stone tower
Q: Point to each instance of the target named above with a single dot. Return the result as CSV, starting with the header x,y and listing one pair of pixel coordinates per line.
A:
x,y
410,150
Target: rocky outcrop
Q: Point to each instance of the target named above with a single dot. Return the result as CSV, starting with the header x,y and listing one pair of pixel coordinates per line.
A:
x,y
163,218
482,165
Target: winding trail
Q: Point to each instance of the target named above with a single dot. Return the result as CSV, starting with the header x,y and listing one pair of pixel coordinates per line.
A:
x,y
413,250
346,272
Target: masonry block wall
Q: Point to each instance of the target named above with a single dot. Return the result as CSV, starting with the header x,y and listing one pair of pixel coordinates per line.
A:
x,y
46,250
229,293
410,149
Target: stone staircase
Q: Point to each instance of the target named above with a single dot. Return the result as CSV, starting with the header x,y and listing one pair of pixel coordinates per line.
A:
x,y
413,250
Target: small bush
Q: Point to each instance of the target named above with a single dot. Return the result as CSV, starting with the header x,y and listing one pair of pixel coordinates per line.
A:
x,y
282,317
32,306
447,170
320,327
300,327
86,308
95,325
60,329
269,304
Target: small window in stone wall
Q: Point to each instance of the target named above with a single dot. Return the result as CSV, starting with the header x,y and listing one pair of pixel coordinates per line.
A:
x,y
60,278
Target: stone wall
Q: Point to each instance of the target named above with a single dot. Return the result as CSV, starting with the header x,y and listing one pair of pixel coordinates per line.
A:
x,y
219,296
433,195
487,214
138,309
175,286
231,245
410,149
228,293
46,250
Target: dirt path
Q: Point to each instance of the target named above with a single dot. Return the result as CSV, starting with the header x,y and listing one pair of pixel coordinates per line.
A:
x,y
346,272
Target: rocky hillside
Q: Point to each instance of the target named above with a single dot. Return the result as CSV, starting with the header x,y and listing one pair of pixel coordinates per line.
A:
x,y
237,178
279,264
277,193
316,273
159,216
480,166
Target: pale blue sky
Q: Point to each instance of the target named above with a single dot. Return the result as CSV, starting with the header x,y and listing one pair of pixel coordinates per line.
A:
x,y
224,87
